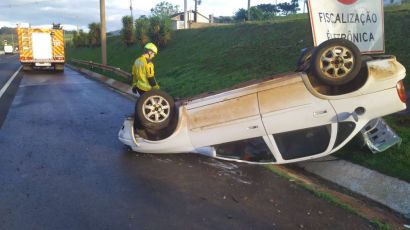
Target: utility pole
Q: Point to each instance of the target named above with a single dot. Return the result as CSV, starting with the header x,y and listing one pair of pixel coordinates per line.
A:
x,y
103,34
196,8
132,16
249,10
185,15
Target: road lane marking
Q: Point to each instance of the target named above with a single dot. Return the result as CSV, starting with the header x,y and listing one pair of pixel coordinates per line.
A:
x,y
8,83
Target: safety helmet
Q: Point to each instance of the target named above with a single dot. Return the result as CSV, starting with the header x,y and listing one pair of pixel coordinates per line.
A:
x,y
152,47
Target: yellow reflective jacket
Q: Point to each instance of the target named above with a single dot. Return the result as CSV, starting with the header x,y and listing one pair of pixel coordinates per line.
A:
x,y
141,72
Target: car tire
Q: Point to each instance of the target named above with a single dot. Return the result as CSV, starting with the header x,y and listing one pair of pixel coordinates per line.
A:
x,y
154,109
336,62
303,62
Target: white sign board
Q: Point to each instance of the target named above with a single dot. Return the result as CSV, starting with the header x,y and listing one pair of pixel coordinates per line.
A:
x,y
360,21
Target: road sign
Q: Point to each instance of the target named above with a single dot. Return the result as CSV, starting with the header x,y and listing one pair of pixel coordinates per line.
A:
x,y
360,21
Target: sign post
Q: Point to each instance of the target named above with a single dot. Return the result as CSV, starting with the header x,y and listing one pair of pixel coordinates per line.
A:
x,y
359,21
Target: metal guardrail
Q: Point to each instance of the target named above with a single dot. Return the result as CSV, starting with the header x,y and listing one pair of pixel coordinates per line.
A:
x,y
112,69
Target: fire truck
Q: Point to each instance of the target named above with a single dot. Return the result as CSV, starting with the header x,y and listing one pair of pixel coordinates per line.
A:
x,y
41,47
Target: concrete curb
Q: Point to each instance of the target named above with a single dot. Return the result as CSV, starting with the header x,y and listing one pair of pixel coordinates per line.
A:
x,y
383,189
389,191
122,87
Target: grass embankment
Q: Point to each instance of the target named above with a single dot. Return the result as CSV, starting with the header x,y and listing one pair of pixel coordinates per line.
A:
x,y
201,60
209,59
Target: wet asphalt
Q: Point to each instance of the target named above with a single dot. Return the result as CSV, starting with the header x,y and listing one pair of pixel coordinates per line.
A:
x,y
8,66
62,167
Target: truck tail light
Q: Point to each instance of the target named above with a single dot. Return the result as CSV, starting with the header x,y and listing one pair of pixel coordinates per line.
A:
x,y
26,58
401,91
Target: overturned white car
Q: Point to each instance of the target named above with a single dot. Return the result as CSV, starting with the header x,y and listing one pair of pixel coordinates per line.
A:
x,y
282,119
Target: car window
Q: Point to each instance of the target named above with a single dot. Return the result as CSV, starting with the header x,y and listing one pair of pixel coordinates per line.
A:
x,y
254,150
344,130
303,142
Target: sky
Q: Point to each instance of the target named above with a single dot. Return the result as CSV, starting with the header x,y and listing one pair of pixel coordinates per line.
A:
x,y
79,13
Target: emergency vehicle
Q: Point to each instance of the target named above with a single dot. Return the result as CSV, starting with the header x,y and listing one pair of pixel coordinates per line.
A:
x,y
41,47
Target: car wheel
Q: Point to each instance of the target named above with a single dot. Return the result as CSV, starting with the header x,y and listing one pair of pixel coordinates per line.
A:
x,y
303,62
155,109
336,61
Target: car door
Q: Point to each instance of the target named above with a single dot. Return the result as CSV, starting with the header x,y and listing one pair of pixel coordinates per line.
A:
x,y
225,117
299,125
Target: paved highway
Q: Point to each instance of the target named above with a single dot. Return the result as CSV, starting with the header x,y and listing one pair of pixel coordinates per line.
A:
x,y
62,167
8,66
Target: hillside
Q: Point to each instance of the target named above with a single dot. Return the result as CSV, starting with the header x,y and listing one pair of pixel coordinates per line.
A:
x,y
200,60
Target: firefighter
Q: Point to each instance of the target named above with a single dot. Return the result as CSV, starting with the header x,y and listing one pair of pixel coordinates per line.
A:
x,y
143,79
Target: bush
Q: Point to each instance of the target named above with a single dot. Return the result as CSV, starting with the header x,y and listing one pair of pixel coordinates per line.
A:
x,y
160,30
80,39
142,29
154,29
127,31
94,35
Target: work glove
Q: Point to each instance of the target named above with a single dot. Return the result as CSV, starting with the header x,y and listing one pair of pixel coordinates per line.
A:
x,y
134,89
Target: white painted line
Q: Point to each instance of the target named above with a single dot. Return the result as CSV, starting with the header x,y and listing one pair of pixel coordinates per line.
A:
x,y
3,90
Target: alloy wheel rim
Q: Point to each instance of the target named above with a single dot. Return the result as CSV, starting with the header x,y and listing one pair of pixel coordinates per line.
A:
x,y
156,109
337,62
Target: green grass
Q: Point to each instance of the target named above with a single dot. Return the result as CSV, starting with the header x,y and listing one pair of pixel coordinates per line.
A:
x,y
394,161
210,59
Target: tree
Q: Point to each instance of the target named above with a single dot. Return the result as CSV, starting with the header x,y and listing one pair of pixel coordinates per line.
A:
x,y
256,14
164,9
287,7
80,39
142,25
7,30
295,4
128,30
94,35
268,8
241,15
160,30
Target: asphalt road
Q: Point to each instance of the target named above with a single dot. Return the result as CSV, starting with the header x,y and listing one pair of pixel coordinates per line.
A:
x,y
8,66
62,167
